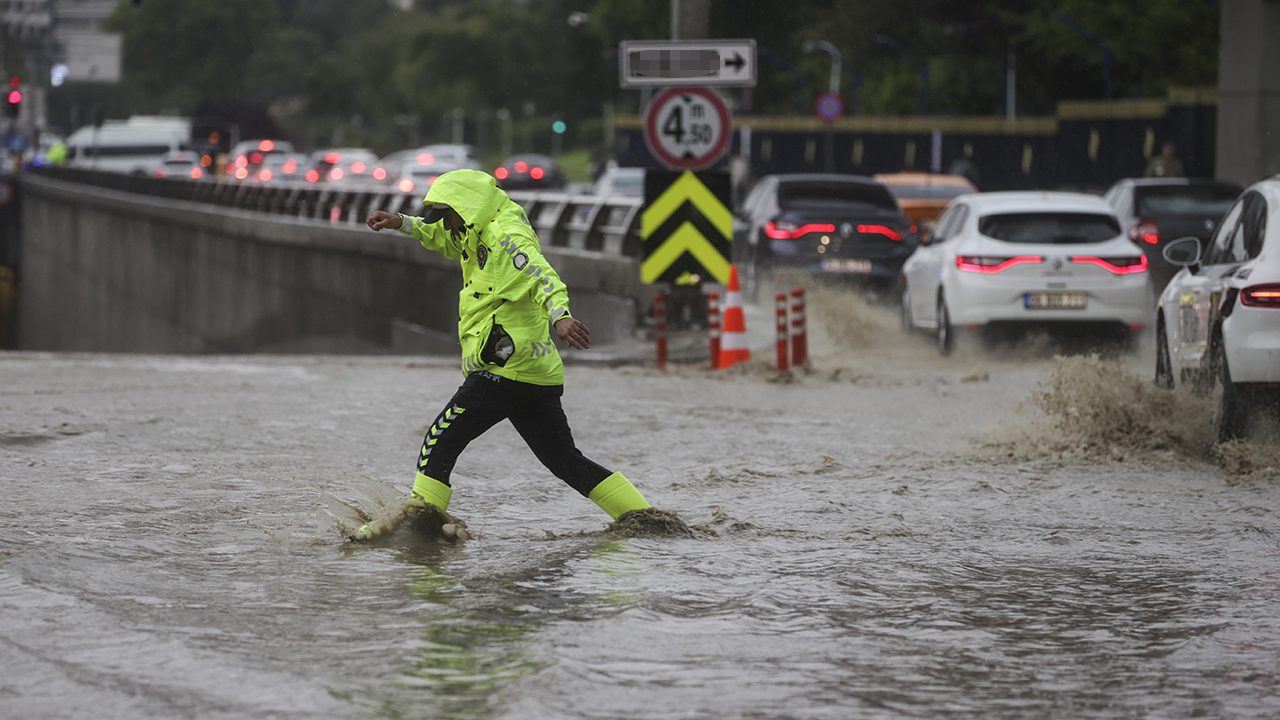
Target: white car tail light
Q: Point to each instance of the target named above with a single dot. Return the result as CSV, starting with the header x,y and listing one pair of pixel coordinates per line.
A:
x,y
990,265
1119,266
1266,296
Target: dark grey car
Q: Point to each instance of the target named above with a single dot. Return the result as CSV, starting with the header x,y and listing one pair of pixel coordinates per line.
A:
x,y
821,225
1156,211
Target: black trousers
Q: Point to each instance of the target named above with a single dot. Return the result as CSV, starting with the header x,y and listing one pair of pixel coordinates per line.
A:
x,y
486,399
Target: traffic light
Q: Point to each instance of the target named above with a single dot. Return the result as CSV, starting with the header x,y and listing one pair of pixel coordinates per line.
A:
x,y
15,96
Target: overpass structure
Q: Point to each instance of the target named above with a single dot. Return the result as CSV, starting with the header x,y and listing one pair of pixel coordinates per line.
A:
x,y
116,263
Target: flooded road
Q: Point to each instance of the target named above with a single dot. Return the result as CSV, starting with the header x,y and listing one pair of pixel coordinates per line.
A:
x,y
892,535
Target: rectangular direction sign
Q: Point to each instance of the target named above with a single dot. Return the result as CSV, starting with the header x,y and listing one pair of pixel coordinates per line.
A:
x,y
675,63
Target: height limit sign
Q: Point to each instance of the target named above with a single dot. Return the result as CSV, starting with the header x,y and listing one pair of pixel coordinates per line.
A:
x,y
688,128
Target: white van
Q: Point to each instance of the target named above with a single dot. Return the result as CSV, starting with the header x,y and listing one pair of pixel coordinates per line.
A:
x,y
137,145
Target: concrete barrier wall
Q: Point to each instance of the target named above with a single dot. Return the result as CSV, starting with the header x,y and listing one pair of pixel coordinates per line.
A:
x,y
105,270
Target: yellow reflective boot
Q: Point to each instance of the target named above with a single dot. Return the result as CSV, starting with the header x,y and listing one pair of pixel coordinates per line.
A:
x,y
616,495
430,490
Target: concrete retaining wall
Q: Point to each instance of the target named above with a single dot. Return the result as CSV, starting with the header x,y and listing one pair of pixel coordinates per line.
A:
x,y
105,270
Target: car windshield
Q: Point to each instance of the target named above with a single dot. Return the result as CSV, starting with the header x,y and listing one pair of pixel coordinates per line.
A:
x,y
796,195
1050,227
927,192
1210,200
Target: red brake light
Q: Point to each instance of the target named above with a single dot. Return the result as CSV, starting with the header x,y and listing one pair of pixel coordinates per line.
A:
x,y
426,158
265,175
432,180
501,173
242,173
242,161
522,166
290,168
1119,266
789,231
357,167
379,173
159,172
266,146
333,158
312,176
255,158
536,173
1267,296
406,185
992,265
1146,231
197,173
878,230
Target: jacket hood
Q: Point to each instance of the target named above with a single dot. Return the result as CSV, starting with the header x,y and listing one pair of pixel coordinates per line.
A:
x,y
472,193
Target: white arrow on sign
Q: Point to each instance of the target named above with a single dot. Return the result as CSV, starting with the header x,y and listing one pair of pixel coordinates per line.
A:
x,y
685,63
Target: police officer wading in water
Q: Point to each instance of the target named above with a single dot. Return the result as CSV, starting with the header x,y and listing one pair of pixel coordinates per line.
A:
x,y
510,299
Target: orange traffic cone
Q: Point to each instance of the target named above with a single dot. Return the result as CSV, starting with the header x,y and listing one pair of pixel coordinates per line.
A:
x,y
734,347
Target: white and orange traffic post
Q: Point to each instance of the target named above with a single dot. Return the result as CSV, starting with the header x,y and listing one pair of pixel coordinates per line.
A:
x,y
799,332
660,328
780,305
713,321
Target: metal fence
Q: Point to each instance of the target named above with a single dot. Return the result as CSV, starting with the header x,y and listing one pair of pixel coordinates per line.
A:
x,y
609,225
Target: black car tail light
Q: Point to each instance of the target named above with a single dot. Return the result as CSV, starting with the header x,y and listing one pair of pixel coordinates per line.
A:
x,y
1146,231
784,230
885,230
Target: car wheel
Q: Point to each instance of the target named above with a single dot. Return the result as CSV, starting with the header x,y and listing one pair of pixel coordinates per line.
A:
x,y
904,313
1232,417
1164,365
946,333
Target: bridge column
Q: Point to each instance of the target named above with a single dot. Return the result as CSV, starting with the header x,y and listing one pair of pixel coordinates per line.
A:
x,y
1248,147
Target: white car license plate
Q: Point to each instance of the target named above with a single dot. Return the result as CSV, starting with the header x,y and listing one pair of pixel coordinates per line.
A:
x,y
847,265
1056,301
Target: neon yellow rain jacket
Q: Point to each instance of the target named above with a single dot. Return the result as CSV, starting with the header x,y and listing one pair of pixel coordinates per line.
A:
x,y
507,285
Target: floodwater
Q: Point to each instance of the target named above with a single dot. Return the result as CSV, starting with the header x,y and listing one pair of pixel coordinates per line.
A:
x,y
891,535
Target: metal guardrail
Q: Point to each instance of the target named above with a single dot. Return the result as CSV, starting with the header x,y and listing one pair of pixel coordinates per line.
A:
x,y
609,225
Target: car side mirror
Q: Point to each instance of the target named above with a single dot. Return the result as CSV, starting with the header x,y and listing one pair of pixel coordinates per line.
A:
x,y
1183,251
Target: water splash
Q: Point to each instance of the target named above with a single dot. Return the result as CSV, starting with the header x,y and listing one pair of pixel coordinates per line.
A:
x,y
378,510
1095,408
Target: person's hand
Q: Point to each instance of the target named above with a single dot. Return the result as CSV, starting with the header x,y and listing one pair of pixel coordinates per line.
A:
x,y
381,219
573,333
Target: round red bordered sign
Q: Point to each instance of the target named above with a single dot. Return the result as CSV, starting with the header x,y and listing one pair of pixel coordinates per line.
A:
x,y
688,128
829,107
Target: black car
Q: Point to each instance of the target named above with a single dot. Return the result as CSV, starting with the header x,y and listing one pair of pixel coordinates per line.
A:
x,y
529,172
1156,211
823,225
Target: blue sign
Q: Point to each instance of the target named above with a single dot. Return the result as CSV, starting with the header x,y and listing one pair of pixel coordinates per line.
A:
x,y
18,143
829,107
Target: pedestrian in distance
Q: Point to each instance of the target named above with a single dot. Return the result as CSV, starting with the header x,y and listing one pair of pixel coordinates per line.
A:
x,y
1166,164
511,298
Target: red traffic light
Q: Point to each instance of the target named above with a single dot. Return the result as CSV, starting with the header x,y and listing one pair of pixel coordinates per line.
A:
x,y
15,97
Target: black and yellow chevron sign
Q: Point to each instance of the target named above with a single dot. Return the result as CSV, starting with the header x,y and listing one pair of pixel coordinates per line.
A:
x,y
686,226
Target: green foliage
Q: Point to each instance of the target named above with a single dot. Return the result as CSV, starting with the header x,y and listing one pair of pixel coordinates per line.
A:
x,y
365,72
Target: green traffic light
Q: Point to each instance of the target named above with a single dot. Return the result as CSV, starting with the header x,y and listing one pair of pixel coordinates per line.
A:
x,y
558,127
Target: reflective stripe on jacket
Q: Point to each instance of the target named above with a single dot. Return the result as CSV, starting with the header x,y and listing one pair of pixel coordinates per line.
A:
x,y
505,279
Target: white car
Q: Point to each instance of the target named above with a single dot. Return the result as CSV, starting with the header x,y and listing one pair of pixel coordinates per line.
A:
x,y
1218,324
1043,258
